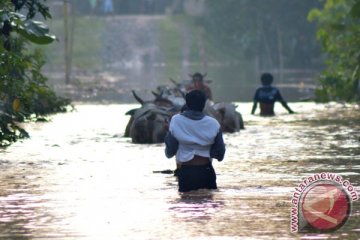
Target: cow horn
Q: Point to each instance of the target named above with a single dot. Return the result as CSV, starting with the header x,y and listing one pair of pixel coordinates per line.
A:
x,y
155,94
173,81
131,112
161,93
204,75
137,97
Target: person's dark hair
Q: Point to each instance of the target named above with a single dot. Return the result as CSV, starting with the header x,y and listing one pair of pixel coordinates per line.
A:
x,y
198,75
195,100
266,79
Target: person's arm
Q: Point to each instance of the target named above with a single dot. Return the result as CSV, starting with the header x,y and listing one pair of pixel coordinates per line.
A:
x,y
217,150
171,145
255,101
254,107
283,102
209,93
287,107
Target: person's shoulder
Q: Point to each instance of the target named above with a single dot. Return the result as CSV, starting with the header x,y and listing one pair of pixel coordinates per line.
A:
x,y
258,90
211,120
267,88
206,86
176,117
275,89
175,121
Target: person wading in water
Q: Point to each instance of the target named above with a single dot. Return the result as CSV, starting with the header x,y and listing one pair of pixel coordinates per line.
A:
x,y
267,95
198,83
195,139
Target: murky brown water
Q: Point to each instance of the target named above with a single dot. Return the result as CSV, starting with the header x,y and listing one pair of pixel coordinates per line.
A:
x,y
77,178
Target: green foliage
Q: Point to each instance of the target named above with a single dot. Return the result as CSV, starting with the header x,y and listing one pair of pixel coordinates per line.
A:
x,y
36,32
355,11
338,32
335,88
31,7
23,90
13,21
9,131
21,78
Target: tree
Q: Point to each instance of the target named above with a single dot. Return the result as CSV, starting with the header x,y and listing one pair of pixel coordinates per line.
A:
x,y
23,89
69,27
13,21
276,32
338,31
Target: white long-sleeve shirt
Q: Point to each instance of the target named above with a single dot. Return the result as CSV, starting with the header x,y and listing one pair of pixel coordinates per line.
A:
x,y
195,136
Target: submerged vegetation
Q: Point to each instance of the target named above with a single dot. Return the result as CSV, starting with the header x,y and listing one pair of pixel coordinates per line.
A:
x,y
24,94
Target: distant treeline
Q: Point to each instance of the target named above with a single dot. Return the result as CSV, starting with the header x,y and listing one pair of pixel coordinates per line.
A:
x,y
125,6
275,34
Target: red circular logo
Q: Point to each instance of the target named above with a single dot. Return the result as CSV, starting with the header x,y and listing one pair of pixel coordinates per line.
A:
x,y
326,206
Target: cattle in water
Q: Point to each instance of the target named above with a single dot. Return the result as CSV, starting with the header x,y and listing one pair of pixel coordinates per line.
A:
x,y
149,123
231,121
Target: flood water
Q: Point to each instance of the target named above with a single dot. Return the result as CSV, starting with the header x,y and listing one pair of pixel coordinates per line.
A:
x,y
78,178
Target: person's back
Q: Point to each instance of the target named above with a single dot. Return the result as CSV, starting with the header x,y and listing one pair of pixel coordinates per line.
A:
x,y
267,95
195,138
194,134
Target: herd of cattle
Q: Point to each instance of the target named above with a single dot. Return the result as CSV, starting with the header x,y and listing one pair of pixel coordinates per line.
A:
x,y
149,123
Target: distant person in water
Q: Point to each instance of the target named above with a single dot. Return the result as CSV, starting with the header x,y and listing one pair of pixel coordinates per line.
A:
x,y
195,139
93,4
108,6
267,95
198,83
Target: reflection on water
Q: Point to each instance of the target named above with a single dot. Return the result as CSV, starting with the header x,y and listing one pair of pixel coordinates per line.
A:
x,y
77,178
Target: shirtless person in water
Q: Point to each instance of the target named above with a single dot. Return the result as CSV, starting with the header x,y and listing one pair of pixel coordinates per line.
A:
x,y
267,95
198,83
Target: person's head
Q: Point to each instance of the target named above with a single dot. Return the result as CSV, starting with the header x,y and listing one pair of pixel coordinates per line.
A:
x,y
197,77
195,100
266,79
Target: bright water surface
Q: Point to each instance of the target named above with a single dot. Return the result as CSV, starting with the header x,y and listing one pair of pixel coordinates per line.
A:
x,y
77,178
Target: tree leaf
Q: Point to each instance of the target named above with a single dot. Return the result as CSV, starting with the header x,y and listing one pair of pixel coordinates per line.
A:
x,y
16,105
35,31
355,10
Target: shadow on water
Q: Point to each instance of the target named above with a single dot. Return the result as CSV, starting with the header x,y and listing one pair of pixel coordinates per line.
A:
x,y
77,178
